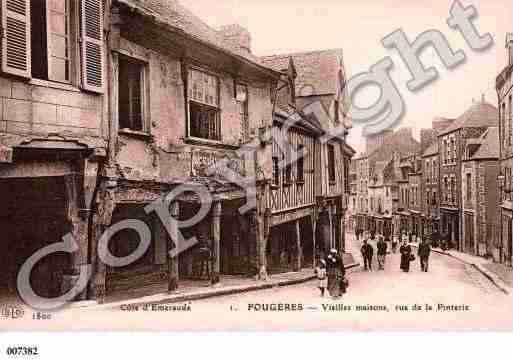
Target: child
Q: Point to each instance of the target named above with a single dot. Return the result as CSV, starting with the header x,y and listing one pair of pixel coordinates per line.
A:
x,y
321,276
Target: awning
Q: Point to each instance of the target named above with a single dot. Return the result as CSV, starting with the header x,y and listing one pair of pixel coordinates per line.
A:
x,y
404,213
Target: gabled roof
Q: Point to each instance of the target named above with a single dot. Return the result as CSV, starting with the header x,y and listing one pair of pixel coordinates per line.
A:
x,y
172,13
401,141
481,114
317,71
489,148
431,150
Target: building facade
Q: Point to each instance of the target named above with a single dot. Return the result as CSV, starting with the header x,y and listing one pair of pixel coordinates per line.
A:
x,y
480,196
54,137
504,86
155,115
452,142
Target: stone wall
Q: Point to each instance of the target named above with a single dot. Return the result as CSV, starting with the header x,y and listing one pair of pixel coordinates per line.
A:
x,y
43,108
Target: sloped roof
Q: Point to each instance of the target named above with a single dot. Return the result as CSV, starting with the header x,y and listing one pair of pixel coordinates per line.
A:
x,y
317,71
489,147
481,114
401,141
431,150
172,13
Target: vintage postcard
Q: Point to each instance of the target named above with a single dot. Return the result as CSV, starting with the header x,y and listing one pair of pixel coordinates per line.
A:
x,y
191,165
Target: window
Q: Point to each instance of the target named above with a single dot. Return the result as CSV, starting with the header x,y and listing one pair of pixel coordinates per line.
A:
x,y
331,163
131,94
50,40
276,172
204,121
41,40
300,165
453,150
434,198
242,107
288,160
509,121
446,152
469,186
453,190
503,122
446,189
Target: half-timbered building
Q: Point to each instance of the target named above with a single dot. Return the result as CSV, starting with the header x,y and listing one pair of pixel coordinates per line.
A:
x,y
308,198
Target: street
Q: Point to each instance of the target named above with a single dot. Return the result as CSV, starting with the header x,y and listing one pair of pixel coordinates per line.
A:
x,y
460,298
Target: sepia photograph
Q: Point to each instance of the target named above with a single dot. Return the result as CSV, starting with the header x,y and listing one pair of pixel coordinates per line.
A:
x,y
255,165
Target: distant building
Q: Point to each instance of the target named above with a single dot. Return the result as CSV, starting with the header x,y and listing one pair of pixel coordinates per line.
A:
x,y
451,144
373,142
378,180
504,87
480,195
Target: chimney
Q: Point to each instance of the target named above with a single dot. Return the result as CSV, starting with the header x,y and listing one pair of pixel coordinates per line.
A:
x,y
509,47
237,36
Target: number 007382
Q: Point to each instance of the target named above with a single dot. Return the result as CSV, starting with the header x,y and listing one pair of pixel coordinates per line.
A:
x,y
21,351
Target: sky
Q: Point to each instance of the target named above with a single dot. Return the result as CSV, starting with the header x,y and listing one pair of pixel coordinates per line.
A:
x,y
357,27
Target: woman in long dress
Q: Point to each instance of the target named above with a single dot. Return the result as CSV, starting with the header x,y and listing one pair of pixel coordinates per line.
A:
x,y
336,273
405,251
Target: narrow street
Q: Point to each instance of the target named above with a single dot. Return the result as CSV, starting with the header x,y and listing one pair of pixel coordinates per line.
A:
x,y
375,300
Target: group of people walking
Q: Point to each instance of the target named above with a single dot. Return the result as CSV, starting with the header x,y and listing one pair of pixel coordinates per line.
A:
x,y
331,274
405,250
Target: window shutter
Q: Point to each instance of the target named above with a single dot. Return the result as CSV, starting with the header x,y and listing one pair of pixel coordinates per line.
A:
x,y
16,37
92,45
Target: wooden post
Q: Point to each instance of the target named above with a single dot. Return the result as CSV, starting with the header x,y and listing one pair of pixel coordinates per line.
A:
x,y
172,263
314,229
78,227
330,215
299,249
216,232
101,220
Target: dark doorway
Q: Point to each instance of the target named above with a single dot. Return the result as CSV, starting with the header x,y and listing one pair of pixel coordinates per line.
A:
x,y
32,216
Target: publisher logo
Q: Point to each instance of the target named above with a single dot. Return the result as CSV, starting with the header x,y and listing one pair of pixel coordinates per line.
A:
x,y
11,311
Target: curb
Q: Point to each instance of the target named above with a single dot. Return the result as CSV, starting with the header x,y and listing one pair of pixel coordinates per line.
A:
x,y
495,279
237,290
214,293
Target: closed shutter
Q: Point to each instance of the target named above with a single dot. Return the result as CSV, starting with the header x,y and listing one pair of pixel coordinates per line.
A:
x,y
92,45
16,37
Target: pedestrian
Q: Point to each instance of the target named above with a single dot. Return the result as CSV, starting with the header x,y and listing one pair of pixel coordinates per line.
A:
x,y
357,234
322,276
406,256
367,253
336,273
382,252
394,244
423,253
410,235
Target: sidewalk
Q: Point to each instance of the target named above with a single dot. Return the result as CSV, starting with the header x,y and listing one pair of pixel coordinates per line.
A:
x,y
499,274
228,286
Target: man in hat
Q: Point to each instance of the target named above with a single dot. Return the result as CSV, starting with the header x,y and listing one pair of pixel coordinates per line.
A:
x,y
423,253
367,253
382,252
